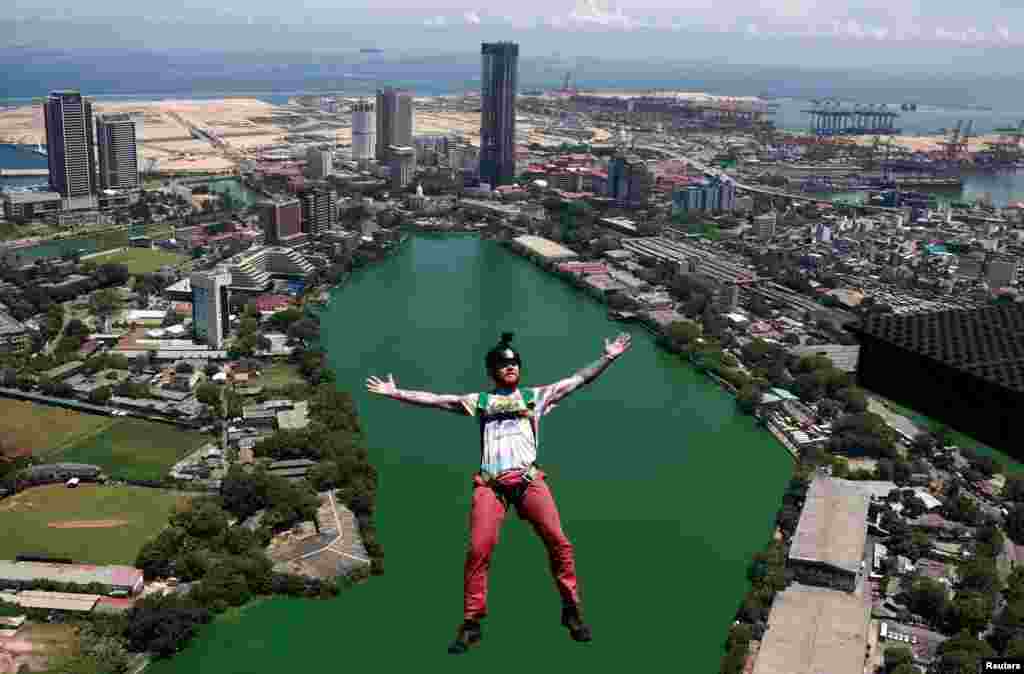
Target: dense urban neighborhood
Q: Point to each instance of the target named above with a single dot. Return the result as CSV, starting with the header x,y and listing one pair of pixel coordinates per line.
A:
x,y
161,353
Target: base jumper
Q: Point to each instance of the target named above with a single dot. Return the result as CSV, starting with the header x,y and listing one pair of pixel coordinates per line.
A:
x,y
509,418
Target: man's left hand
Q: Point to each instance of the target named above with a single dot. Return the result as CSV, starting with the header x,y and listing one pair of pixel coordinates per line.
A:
x,y
619,346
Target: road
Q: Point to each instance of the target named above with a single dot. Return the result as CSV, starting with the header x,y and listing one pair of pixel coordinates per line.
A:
x,y
756,189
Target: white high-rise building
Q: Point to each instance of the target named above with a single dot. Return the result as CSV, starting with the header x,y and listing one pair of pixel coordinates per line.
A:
x,y
320,163
69,145
364,131
119,162
210,306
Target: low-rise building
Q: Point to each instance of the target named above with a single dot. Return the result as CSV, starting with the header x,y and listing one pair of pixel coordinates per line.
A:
x,y
828,545
14,335
812,630
60,472
118,579
31,205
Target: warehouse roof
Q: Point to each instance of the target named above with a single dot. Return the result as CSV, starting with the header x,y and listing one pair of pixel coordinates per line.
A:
x,y
80,574
843,357
833,525
10,326
545,248
295,418
813,630
292,463
59,601
987,342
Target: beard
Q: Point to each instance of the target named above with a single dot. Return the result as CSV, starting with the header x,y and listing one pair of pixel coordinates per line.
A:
x,y
510,381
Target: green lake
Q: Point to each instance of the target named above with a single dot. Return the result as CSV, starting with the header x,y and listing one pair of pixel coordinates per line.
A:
x,y
664,489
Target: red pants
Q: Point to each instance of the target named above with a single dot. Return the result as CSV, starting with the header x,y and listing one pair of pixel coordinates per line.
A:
x,y
538,508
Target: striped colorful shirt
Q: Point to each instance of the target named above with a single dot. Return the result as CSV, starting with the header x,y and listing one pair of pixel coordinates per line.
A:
x,y
509,436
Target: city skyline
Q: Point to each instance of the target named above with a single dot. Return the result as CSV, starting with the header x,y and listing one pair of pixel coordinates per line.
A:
x,y
867,34
499,80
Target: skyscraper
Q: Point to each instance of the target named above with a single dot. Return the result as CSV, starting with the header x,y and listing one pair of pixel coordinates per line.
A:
x,y
69,144
119,162
319,209
319,163
210,306
282,223
403,166
629,182
394,120
498,112
364,140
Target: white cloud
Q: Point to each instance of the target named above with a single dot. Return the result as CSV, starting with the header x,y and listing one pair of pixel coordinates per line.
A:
x,y
435,21
599,13
471,17
1003,32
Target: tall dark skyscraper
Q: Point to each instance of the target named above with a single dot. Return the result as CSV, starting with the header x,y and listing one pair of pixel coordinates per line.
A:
x,y
499,80
394,120
119,162
69,144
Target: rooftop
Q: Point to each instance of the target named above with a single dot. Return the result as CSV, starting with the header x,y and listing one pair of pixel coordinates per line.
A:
x,y
80,574
987,342
833,525
59,601
545,248
813,630
30,197
9,326
843,357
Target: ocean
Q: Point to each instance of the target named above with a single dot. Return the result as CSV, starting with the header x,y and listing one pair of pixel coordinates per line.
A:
x,y
120,75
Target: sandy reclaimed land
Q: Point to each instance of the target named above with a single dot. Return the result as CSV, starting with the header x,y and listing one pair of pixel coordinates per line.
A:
x,y
688,95
928,143
163,121
87,524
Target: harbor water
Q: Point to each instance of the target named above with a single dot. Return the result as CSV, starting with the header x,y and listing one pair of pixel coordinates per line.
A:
x,y
664,489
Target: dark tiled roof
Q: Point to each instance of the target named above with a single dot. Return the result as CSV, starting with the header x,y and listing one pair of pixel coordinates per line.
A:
x,y
987,342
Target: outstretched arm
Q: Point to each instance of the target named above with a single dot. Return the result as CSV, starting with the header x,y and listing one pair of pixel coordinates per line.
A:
x,y
553,393
451,403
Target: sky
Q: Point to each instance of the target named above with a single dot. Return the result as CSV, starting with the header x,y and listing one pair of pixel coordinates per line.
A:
x,y
979,36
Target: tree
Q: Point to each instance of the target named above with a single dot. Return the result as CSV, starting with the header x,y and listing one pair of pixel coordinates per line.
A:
x,y
1013,490
1015,524
897,656
208,394
748,399
928,599
960,654
969,613
163,625
856,402
103,304
923,445
100,396
76,328
683,332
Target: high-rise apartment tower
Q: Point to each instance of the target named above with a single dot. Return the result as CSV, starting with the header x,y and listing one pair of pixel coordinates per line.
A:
x,y
364,131
394,120
119,161
499,80
69,144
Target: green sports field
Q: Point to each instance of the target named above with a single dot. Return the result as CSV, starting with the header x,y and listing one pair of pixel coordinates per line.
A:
x,y
141,260
45,429
136,450
91,524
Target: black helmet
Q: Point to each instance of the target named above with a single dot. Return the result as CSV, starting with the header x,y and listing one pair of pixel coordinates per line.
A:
x,y
503,353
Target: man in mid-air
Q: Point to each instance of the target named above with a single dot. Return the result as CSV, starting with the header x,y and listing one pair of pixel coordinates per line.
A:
x,y
509,432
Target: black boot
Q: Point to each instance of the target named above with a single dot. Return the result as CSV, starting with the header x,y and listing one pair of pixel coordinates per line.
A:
x,y
469,635
571,619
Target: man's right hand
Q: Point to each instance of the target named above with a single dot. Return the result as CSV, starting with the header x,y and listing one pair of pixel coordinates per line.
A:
x,y
381,387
